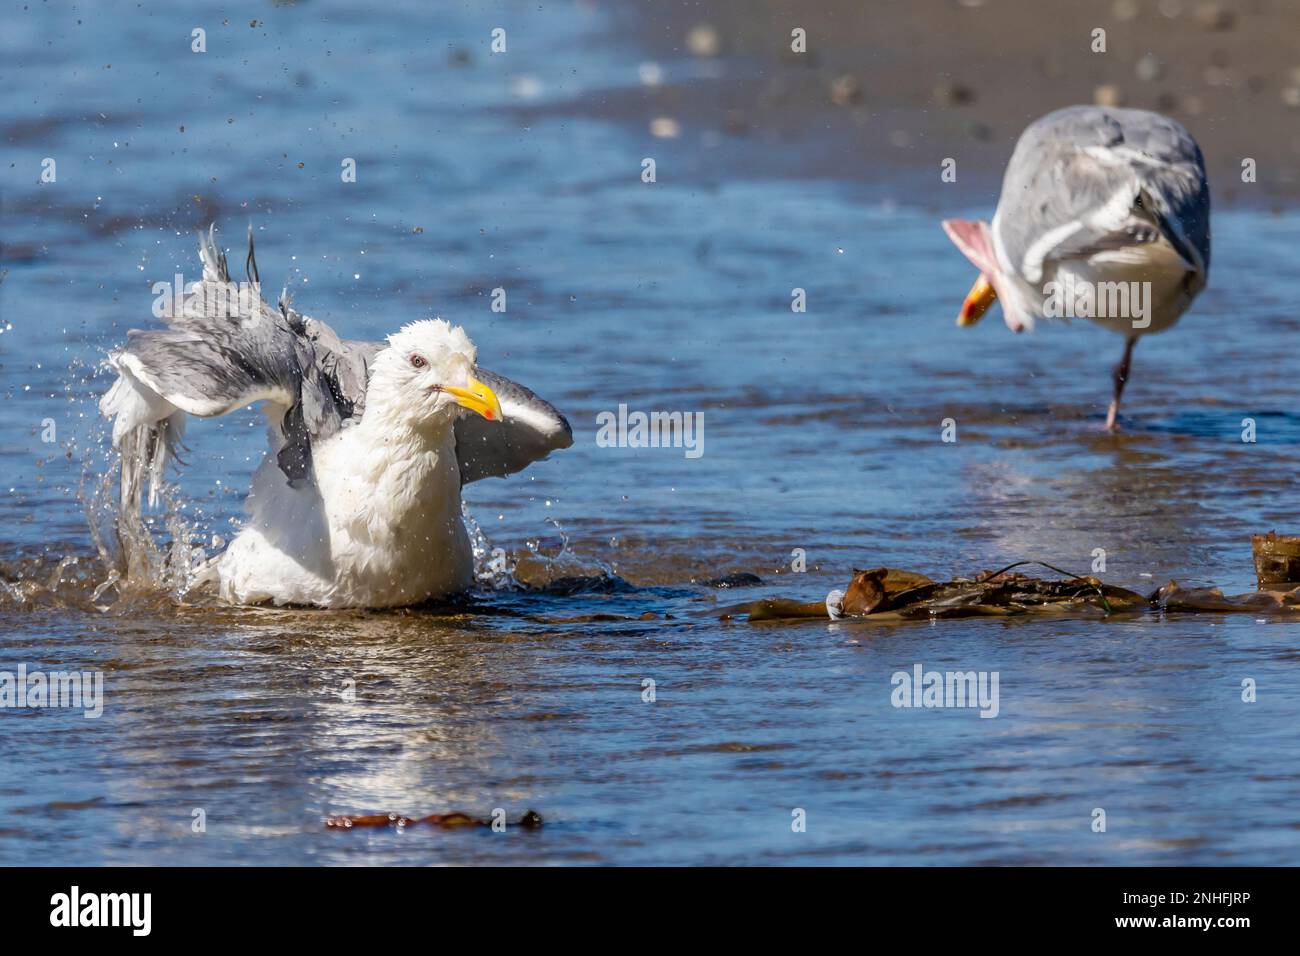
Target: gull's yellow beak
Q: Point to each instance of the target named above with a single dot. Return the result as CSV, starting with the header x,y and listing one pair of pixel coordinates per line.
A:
x,y
978,300
477,398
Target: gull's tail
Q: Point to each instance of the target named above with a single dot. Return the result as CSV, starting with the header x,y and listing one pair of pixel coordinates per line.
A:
x,y
147,431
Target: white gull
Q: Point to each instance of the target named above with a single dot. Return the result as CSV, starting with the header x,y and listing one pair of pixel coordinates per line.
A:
x,y
1100,202
358,503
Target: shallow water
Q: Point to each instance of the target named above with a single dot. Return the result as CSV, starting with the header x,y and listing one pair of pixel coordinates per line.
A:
x,y
822,433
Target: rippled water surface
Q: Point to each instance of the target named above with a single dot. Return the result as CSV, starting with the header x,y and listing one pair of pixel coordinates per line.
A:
x,y
822,433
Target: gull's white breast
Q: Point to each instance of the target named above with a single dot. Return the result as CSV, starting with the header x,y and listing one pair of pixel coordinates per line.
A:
x,y
380,527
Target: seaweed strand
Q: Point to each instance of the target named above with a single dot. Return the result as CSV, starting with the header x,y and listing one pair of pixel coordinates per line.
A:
x,y
1069,574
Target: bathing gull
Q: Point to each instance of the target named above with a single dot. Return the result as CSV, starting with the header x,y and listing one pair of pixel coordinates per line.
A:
x,y
358,504
1104,215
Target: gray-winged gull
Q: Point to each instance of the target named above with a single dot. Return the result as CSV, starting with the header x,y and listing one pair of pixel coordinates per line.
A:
x,y
358,503
1104,215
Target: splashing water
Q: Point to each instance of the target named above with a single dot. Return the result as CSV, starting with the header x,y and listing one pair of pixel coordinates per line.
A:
x,y
497,570
164,554
493,568
143,556
140,552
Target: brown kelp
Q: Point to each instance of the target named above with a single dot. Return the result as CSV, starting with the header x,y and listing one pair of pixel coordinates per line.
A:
x,y
883,594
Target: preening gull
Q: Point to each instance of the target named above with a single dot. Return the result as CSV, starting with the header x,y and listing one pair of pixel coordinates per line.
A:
x,y
1104,215
358,503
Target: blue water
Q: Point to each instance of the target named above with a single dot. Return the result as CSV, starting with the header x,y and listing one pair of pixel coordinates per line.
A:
x,y
822,434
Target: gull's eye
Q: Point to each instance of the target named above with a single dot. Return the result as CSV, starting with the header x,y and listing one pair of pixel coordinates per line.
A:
x,y
417,361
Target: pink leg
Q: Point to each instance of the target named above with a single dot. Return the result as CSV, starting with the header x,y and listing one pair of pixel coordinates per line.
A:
x,y
1121,379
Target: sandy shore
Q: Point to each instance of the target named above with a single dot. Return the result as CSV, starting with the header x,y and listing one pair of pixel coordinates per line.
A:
x,y
888,89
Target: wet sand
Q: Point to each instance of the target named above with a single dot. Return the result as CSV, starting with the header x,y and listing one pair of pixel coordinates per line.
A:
x,y
887,90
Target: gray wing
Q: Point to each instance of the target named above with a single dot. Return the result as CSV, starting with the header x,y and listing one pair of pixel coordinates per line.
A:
x,y
224,347
1090,179
529,430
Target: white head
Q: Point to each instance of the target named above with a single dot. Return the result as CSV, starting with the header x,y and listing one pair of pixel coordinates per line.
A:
x,y
426,377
